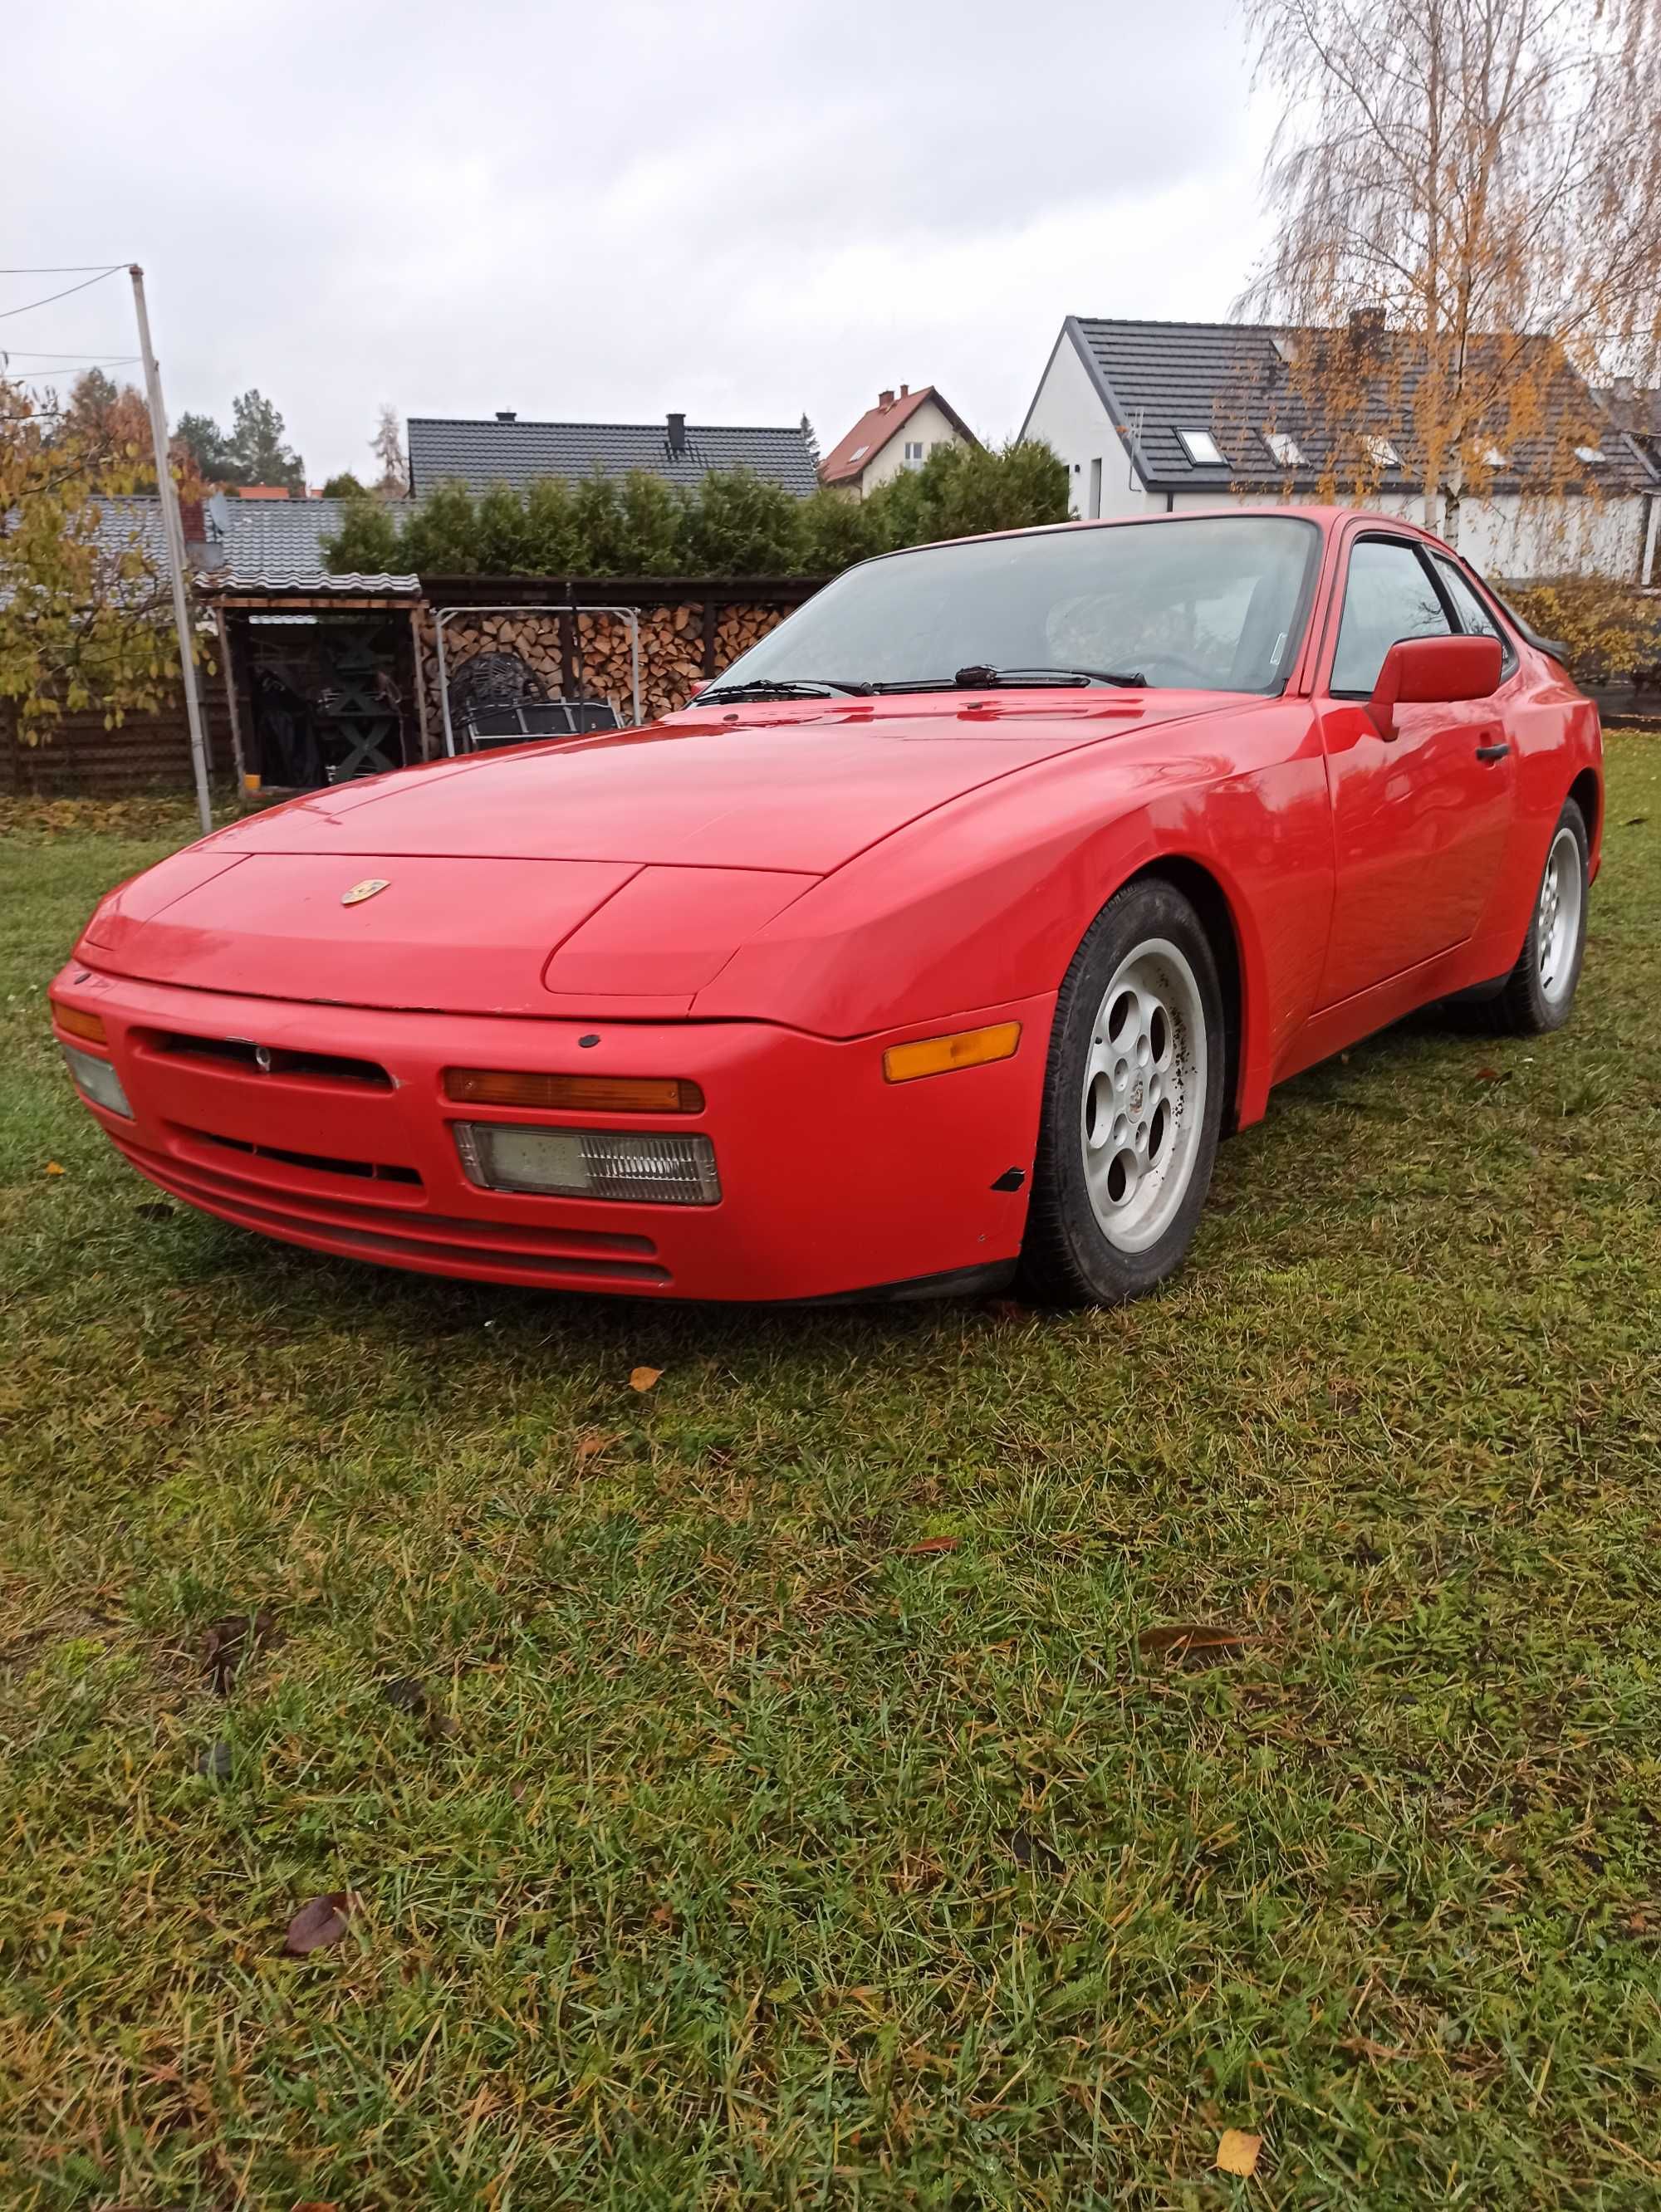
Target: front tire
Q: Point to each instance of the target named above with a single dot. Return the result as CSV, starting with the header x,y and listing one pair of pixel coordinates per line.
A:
x,y
1539,992
1133,1104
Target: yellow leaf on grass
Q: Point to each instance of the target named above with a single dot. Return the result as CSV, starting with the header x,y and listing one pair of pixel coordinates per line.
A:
x,y
53,1168
593,1442
1237,2151
643,1378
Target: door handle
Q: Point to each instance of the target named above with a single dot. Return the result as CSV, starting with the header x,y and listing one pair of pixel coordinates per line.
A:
x,y
1492,752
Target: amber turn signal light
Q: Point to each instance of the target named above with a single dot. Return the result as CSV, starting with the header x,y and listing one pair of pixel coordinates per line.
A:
x,y
904,1063
560,1094
73,1023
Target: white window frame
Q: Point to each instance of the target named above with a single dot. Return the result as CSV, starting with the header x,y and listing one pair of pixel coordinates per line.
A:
x,y
1193,442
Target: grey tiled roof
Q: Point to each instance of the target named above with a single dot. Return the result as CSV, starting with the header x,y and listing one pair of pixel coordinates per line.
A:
x,y
270,546
480,453
1232,379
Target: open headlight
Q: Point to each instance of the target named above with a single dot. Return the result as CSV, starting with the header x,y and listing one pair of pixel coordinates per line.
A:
x,y
650,1170
96,1079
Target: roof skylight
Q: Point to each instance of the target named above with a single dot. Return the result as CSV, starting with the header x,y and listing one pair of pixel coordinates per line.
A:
x,y
1285,447
1382,454
1203,449
1591,455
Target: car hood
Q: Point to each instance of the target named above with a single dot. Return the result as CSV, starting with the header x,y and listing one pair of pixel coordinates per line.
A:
x,y
530,881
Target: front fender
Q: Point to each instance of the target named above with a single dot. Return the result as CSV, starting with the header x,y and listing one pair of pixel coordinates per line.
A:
x,y
987,899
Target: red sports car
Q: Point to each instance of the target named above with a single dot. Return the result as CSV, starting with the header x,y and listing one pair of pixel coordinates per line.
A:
x,y
939,938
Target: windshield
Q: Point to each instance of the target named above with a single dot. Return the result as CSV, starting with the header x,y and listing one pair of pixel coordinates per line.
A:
x,y
1213,604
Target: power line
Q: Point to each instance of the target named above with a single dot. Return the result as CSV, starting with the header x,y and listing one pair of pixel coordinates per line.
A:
x,y
32,304
62,269
40,353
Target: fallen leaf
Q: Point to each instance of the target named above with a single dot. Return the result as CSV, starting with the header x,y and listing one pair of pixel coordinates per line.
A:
x,y
226,1644
1489,1075
405,1695
1634,821
1205,1647
589,1446
323,1921
931,1544
214,1761
643,1378
1029,1849
315,2204
53,1168
1237,2152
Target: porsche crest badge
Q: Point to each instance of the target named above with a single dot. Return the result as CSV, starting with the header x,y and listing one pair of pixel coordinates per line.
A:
x,y
366,889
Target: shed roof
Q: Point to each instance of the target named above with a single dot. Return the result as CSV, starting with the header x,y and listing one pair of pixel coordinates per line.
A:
x,y
480,453
268,546
1240,382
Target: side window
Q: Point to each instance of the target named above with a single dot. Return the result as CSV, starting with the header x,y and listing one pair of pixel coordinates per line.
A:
x,y
1388,595
1475,620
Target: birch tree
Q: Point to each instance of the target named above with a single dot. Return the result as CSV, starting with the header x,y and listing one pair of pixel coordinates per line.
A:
x,y
1467,211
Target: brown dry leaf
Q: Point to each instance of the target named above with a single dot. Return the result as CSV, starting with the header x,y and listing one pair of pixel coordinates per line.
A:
x,y
227,1642
315,2204
1237,2152
1489,1075
931,1544
53,1168
589,1446
323,1921
1205,1646
643,1378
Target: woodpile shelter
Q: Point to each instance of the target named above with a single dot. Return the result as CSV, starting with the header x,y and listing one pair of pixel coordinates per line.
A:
x,y
313,676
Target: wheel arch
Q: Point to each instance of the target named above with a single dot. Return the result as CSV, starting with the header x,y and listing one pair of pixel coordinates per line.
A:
x,y
1587,792
1206,895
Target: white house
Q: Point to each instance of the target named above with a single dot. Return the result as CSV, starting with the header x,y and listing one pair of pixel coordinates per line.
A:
x,y
900,432
1170,417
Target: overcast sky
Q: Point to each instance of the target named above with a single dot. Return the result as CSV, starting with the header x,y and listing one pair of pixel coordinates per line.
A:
x,y
747,210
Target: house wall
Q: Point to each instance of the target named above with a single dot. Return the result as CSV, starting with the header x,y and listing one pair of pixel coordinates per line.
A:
x,y
1507,536
929,423
1068,415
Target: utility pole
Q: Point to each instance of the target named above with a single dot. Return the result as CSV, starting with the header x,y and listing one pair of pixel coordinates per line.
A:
x,y
173,530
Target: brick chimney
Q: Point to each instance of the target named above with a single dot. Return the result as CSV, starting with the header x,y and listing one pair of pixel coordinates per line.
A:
x,y
885,399
678,434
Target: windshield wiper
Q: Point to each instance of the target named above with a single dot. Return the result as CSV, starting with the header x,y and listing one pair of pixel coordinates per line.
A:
x,y
784,687
975,679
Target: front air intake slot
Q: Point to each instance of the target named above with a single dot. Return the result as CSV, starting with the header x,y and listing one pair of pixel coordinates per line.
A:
x,y
266,1060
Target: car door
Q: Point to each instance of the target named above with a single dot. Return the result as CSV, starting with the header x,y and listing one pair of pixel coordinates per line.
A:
x,y
1419,820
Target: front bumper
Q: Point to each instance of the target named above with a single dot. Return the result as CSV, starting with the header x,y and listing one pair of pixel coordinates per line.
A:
x,y
833,1181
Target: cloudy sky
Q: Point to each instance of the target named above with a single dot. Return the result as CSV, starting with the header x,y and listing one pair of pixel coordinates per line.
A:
x,y
747,210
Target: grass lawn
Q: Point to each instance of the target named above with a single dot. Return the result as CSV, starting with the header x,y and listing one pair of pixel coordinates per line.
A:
x,y
746,1851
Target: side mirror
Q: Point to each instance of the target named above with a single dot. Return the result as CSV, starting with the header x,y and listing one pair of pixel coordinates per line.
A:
x,y
1418,671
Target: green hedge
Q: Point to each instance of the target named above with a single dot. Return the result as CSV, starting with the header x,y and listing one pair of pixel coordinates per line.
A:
x,y
734,523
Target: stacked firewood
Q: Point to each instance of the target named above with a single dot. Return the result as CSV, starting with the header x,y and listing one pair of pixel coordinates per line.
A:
x,y
672,651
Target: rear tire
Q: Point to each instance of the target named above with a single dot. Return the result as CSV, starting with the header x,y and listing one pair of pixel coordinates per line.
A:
x,y
1133,1104
1539,992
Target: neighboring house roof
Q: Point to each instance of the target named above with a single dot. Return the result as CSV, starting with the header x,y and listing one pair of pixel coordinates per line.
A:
x,y
268,546
1238,382
847,462
481,453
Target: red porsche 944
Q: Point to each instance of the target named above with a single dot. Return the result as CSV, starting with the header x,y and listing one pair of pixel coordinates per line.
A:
x,y
938,941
